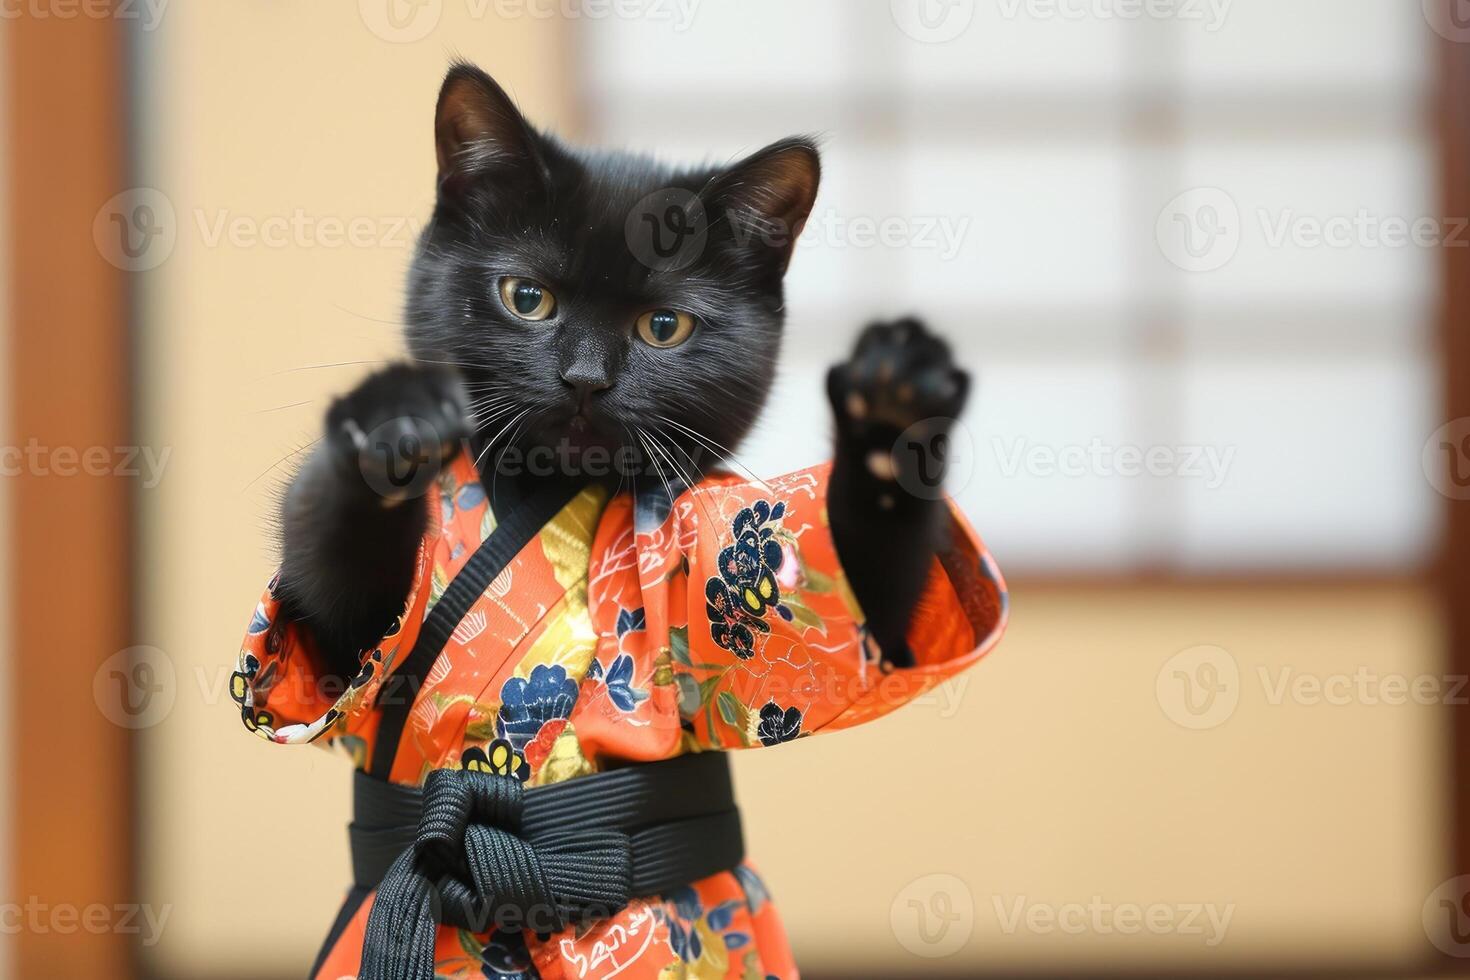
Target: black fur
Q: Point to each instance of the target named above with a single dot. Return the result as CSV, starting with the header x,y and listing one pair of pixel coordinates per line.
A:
x,y
513,202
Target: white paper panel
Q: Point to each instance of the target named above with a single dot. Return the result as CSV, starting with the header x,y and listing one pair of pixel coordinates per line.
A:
x,y
1326,469
1031,220
770,47
1312,44
1036,43
1038,226
1330,222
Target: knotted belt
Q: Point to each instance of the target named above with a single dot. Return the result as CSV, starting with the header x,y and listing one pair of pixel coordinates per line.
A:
x,y
478,851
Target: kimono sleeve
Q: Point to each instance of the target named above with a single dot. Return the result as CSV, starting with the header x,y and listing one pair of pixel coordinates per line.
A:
x,y
776,645
280,687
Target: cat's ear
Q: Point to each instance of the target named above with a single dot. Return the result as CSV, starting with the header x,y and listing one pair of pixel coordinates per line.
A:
x,y
480,137
767,196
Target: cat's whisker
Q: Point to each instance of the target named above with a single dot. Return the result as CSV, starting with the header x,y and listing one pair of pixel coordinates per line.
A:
x,y
656,447
696,470
369,360
371,319
494,480
495,399
295,452
480,421
688,480
683,474
632,471
491,406
492,397
490,443
725,452
654,459
320,367
282,408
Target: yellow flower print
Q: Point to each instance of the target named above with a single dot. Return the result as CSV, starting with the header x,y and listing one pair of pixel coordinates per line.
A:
x,y
499,758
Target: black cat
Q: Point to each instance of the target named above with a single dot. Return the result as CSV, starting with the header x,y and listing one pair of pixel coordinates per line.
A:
x,y
577,300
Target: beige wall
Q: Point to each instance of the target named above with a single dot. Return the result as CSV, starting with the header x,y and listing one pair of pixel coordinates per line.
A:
x,y
1055,777
1058,777
256,111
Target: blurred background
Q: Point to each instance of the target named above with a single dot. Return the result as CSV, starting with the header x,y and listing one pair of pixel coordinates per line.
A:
x,y
1209,258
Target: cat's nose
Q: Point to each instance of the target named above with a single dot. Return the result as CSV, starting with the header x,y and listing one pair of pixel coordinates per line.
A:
x,y
586,380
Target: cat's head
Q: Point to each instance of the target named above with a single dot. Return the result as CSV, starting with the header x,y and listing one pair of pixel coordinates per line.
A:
x,y
586,296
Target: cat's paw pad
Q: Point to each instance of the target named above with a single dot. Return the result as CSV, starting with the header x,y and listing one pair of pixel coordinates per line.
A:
x,y
899,374
901,378
398,428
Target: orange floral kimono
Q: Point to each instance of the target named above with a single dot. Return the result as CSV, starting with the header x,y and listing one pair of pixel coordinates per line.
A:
x,y
619,634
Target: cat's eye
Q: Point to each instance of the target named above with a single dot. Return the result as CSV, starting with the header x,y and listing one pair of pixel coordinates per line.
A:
x,y
665,328
527,298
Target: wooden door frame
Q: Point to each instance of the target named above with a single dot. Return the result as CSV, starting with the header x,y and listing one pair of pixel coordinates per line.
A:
x,y
70,380
1452,118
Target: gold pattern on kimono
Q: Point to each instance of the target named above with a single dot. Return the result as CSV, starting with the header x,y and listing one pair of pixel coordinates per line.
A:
x,y
566,760
663,668
567,539
438,582
569,639
713,962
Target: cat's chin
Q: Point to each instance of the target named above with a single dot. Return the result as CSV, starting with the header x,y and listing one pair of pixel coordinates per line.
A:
x,y
578,433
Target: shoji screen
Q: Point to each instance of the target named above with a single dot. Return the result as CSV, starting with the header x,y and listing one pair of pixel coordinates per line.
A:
x,y
1014,170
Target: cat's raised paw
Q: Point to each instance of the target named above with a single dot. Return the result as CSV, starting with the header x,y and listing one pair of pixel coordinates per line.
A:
x,y
899,374
398,428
